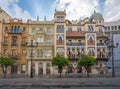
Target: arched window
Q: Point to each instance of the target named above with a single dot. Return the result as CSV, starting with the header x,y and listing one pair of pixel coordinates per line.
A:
x,y
13,29
91,38
60,39
18,29
40,40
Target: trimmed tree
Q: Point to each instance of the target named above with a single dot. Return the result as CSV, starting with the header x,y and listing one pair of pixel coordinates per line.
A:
x,y
86,61
4,63
61,62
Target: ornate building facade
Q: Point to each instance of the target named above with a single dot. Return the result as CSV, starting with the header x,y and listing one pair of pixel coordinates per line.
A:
x,y
40,41
75,39
42,33
14,38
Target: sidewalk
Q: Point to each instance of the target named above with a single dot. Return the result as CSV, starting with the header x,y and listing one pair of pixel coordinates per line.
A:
x,y
60,83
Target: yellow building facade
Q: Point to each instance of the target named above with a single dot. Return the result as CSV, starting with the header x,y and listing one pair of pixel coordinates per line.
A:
x,y
42,34
14,38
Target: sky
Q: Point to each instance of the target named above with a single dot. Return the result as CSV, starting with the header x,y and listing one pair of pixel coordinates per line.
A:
x,y
75,9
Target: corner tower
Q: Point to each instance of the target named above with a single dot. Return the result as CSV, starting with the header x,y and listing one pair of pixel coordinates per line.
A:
x,y
60,32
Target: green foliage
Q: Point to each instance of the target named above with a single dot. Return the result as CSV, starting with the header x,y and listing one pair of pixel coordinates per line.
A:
x,y
60,61
86,61
6,61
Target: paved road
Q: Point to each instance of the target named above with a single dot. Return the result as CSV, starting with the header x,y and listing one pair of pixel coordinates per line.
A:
x,y
60,83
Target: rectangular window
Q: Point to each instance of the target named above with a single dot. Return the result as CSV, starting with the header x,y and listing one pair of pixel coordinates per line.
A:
x,y
70,29
23,42
70,42
60,29
39,52
115,27
30,50
90,28
6,29
105,28
79,29
48,30
23,52
14,41
119,27
14,52
23,68
60,18
112,27
24,29
108,28
48,41
5,41
100,29
5,51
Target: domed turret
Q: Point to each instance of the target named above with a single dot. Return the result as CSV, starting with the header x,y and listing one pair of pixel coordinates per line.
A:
x,y
96,16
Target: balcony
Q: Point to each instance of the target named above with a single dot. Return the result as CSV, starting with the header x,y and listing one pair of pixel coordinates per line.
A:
x,y
101,44
13,56
41,31
102,57
73,57
13,44
5,44
102,35
75,34
75,44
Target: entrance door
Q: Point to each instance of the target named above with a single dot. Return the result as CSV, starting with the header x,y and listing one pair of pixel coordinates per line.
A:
x,y
40,68
70,68
48,68
14,69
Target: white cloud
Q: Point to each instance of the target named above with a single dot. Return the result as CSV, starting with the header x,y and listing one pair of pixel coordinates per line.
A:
x,y
111,11
11,7
21,14
77,9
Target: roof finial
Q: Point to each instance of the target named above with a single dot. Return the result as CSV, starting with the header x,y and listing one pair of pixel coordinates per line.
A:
x,y
94,9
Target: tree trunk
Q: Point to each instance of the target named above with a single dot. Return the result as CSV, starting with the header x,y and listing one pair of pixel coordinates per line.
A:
x,y
60,70
87,69
4,71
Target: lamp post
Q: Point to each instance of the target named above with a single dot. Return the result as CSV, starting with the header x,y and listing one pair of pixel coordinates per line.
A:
x,y
113,46
31,46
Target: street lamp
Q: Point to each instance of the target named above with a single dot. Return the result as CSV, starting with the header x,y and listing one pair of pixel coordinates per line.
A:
x,y
32,45
113,46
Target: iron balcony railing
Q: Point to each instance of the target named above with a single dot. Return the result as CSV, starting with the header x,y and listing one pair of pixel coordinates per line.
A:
x,y
101,44
13,56
75,44
14,44
5,44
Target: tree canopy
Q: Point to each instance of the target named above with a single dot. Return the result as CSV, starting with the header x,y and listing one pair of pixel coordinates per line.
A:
x,y
5,62
86,61
60,61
